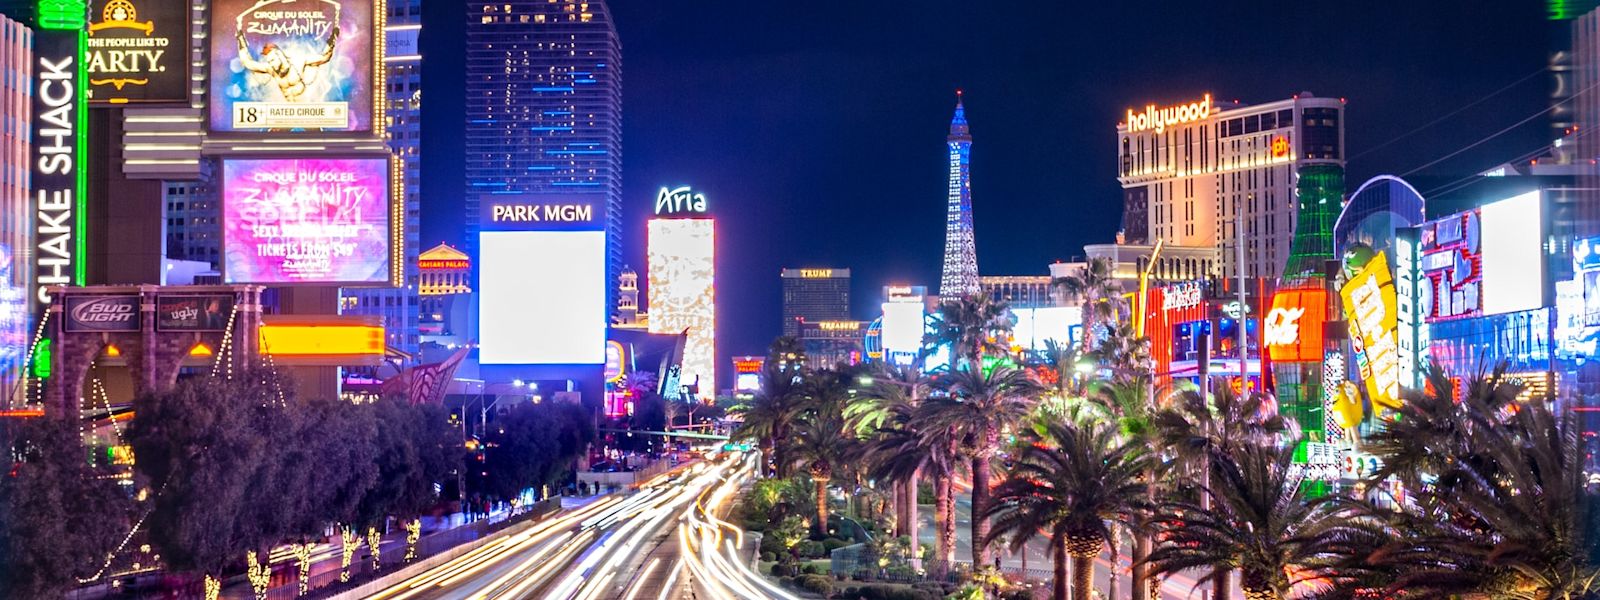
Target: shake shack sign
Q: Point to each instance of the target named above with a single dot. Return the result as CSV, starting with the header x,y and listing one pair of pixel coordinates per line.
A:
x,y
138,51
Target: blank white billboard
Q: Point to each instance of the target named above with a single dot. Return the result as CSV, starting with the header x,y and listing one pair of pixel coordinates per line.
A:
x,y
541,297
903,326
1037,326
1513,254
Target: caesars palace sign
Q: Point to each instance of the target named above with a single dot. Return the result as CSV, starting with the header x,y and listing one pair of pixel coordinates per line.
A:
x,y
1159,119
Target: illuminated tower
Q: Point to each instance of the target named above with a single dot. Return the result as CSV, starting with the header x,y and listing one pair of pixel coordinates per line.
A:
x,y
960,276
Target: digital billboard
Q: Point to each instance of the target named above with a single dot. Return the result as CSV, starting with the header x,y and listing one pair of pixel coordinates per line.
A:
x,y
306,221
1473,270
543,294
904,324
194,313
1369,305
1578,303
138,51
292,65
681,276
1293,328
1513,254
1036,328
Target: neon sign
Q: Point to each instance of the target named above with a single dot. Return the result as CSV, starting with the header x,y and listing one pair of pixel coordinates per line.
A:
x,y
1280,146
1369,301
679,201
1159,119
1292,331
1181,296
816,273
59,121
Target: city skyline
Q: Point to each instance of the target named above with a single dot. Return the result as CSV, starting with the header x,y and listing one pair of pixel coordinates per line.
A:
x,y
853,114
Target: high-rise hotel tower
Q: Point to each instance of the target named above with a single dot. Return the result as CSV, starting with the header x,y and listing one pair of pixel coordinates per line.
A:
x,y
1199,173
544,109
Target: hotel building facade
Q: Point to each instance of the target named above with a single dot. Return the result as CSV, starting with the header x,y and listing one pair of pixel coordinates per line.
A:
x,y
1198,174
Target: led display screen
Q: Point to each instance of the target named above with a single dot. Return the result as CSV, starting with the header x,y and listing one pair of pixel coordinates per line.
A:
x,y
682,260
1293,328
903,327
1036,328
542,296
291,65
138,51
323,221
1513,256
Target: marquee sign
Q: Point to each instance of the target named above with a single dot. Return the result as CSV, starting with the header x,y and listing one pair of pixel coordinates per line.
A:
x,y
1159,119
1369,304
1181,296
1292,331
680,201
543,212
138,51
58,181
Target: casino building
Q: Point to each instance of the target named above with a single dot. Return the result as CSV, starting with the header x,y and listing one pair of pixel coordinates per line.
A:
x,y
1205,174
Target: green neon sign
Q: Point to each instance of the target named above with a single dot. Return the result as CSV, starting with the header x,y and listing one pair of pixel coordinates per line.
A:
x,y
63,14
42,359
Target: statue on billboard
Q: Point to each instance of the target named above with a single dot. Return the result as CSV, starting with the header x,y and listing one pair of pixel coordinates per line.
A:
x,y
290,73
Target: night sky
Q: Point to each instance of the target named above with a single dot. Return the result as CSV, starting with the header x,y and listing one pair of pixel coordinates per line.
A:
x,y
816,129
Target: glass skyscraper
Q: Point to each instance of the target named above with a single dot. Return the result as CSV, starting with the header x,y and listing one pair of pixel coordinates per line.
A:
x,y
399,306
544,108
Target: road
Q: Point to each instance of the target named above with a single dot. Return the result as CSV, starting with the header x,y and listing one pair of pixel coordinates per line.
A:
x,y
609,549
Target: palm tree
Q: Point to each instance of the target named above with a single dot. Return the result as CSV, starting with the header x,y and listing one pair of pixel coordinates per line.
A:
x,y
1071,481
972,326
1122,352
1196,433
1130,404
771,414
979,407
823,442
881,413
1259,521
1097,290
1503,508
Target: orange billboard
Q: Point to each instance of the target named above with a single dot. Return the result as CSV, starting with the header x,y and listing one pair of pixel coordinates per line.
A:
x,y
1292,331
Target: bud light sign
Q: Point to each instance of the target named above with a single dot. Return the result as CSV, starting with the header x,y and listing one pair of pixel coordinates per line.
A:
x,y
89,314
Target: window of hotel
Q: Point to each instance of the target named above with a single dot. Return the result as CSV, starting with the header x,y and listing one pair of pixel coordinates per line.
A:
x,y
1269,121
1252,124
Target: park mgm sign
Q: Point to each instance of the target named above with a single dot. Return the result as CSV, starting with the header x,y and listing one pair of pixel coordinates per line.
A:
x,y
59,181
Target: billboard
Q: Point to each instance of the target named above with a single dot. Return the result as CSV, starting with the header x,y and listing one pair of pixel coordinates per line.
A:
x,y
322,340
1369,304
58,182
138,51
1513,255
310,221
1578,302
292,65
681,279
1293,328
1036,328
92,314
544,294
1469,270
194,313
903,326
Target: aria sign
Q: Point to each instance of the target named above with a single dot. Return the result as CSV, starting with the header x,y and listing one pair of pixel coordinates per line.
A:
x,y
680,201
1159,119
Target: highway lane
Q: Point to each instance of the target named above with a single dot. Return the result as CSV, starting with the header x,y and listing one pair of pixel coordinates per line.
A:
x,y
584,554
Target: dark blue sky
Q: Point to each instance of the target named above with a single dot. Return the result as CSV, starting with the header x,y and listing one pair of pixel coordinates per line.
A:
x,y
816,129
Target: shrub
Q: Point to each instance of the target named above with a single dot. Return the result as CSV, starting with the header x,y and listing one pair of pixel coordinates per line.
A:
x,y
810,569
831,544
812,549
768,557
816,584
